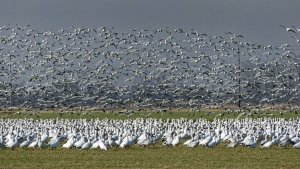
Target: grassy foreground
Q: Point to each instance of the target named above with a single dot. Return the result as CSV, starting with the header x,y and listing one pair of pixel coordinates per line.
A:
x,y
154,156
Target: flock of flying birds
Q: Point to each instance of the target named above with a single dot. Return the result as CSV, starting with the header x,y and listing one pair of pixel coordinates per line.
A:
x,y
143,69
105,134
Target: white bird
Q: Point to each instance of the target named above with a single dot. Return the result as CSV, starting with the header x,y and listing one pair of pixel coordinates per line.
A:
x,y
13,143
233,144
205,141
146,141
297,145
127,142
95,145
26,143
288,29
192,141
119,140
264,141
213,143
102,146
86,145
45,136
33,144
40,143
234,141
192,144
295,139
176,140
251,143
111,142
80,142
168,139
54,143
70,143
269,143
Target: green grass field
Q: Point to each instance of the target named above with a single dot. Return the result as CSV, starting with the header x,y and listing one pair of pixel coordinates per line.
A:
x,y
154,156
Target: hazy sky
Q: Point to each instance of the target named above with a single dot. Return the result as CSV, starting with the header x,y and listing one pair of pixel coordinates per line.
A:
x,y
257,20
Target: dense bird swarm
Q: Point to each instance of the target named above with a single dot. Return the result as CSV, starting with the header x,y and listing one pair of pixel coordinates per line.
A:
x,y
112,133
143,69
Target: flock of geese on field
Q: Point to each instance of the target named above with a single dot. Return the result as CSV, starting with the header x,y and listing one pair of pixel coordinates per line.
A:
x,y
150,68
110,134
